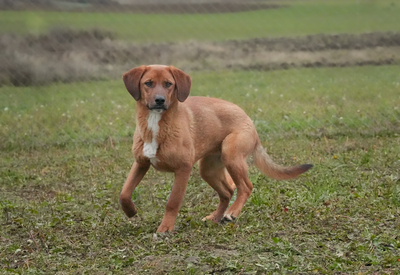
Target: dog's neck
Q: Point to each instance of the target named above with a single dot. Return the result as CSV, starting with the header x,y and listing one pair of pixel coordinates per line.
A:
x,y
148,124
150,147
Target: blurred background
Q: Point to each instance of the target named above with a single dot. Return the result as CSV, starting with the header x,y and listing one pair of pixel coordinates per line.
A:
x,y
44,41
91,43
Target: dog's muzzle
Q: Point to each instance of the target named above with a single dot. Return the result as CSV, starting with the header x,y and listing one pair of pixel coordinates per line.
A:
x,y
159,104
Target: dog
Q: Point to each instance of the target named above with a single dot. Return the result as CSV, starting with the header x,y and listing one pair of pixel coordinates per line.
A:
x,y
174,131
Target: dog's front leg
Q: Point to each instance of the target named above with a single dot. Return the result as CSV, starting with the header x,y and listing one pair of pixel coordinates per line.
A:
x,y
175,200
135,176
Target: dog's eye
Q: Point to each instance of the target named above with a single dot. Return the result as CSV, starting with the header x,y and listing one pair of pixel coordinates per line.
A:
x,y
148,83
168,84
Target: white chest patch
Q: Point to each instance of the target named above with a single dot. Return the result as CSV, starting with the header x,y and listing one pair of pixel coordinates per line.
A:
x,y
150,148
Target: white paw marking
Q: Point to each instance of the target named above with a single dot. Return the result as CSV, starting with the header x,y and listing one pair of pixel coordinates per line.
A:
x,y
228,217
150,148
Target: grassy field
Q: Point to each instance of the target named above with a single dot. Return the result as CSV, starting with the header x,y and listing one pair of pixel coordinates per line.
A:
x,y
296,19
305,100
65,153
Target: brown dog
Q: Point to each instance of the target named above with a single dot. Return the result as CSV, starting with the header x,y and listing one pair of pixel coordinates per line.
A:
x,y
173,132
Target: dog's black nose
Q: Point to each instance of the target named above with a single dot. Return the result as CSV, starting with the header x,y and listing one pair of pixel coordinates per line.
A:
x,y
160,100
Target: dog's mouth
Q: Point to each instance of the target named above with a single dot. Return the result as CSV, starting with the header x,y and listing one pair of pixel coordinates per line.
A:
x,y
157,108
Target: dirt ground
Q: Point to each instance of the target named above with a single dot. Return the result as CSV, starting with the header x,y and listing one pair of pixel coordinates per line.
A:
x,y
85,55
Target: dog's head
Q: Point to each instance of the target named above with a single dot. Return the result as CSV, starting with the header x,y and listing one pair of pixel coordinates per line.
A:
x,y
157,86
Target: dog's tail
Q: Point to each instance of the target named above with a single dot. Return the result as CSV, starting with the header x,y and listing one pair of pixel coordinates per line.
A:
x,y
264,162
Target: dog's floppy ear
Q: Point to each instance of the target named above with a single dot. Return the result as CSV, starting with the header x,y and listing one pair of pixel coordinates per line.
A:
x,y
132,81
182,82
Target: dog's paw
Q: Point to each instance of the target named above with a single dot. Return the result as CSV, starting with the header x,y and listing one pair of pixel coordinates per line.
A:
x,y
212,217
128,207
228,218
165,228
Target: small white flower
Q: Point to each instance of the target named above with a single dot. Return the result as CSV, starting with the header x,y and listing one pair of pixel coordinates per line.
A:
x,y
281,95
6,109
340,118
256,90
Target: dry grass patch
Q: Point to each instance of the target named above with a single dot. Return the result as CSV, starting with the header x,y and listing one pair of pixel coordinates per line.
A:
x,y
67,55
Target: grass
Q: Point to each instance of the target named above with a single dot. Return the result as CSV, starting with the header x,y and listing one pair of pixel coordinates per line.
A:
x,y
65,153
313,102
299,18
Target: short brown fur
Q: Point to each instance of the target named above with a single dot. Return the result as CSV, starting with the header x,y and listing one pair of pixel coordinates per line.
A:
x,y
212,131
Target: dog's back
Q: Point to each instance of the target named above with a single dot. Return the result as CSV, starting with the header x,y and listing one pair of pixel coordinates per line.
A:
x,y
213,120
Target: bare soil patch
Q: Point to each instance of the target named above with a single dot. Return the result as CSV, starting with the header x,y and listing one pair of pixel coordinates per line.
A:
x,y
64,55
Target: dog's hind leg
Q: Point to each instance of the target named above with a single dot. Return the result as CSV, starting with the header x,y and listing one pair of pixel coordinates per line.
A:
x,y
214,173
235,149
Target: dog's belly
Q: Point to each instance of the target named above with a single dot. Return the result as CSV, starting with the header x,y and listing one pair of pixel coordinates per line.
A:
x,y
161,165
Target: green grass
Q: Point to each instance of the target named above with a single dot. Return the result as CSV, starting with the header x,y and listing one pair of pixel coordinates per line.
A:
x,y
310,102
59,183
299,18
